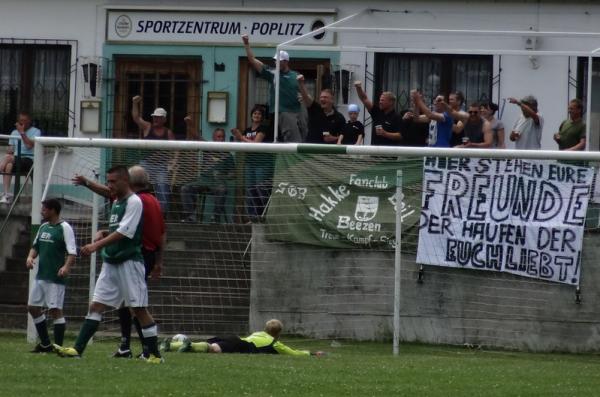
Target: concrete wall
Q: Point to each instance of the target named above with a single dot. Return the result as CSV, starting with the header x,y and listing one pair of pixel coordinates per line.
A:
x,y
333,294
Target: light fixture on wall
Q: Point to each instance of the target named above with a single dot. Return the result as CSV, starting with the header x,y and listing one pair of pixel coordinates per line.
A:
x,y
90,78
531,43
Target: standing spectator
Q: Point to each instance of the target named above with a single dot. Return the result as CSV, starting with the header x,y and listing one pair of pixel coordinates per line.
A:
x,y
122,276
24,157
415,130
156,163
215,170
477,132
325,123
55,246
353,132
154,239
387,123
527,131
571,133
258,167
289,106
456,101
440,121
488,110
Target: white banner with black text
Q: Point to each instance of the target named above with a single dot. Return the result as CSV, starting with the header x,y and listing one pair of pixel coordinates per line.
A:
x,y
524,217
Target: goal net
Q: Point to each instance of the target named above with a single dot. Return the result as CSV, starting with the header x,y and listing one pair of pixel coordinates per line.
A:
x,y
310,235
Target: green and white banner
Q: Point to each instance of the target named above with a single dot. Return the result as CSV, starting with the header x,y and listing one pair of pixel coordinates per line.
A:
x,y
341,201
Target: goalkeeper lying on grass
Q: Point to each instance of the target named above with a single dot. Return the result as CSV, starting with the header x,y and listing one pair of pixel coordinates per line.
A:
x,y
263,342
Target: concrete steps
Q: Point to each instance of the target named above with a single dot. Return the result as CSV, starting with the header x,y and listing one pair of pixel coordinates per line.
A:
x,y
205,288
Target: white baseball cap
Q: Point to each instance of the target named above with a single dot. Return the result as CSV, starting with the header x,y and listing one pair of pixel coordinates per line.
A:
x,y
283,56
159,112
352,108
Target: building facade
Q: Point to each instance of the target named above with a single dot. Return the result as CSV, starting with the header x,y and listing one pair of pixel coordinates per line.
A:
x,y
72,59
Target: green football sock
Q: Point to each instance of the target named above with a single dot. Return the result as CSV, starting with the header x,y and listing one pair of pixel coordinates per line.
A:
x,y
88,329
200,347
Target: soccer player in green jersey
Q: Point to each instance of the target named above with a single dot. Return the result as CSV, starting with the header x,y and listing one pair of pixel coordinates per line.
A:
x,y
122,276
262,342
55,247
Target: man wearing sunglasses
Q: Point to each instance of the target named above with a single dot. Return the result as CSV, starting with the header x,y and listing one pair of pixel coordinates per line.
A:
x,y
477,130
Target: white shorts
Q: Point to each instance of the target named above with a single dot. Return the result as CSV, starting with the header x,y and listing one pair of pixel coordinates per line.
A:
x,y
46,293
122,283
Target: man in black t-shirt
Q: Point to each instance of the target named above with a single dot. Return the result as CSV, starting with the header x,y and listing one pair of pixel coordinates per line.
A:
x,y
324,122
414,133
387,124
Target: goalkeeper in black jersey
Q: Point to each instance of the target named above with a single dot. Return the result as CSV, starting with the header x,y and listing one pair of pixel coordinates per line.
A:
x,y
262,342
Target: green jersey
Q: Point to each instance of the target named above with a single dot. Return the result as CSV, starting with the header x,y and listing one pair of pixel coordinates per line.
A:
x,y
53,243
125,219
288,90
263,340
571,133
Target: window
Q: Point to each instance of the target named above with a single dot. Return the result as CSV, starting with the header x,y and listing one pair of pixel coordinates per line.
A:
x,y
35,78
433,74
172,84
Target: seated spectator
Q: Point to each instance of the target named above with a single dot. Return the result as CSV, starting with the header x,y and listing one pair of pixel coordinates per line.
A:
x,y
488,111
440,121
262,342
325,123
571,133
353,132
258,167
23,159
215,169
527,131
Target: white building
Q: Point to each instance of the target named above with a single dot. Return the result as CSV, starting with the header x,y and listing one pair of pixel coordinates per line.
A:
x,y
187,54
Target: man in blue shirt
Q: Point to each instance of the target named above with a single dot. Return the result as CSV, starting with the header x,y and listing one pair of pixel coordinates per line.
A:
x,y
440,122
23,158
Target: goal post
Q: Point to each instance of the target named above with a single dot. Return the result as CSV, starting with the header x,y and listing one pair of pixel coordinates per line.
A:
x,y
322,255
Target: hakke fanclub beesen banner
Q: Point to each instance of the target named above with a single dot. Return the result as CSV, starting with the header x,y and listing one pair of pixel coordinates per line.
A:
x,y
524,217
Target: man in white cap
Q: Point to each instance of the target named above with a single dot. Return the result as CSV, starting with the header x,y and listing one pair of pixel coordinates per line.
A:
x,y
156,163
289,105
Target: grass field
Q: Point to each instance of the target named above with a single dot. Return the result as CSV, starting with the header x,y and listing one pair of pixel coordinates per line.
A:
x,y
353,369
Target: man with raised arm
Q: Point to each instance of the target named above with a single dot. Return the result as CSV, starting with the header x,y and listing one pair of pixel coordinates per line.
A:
x,y
527,131
289,106
156,162
122,276
325,123
154,239
387,124
440,121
